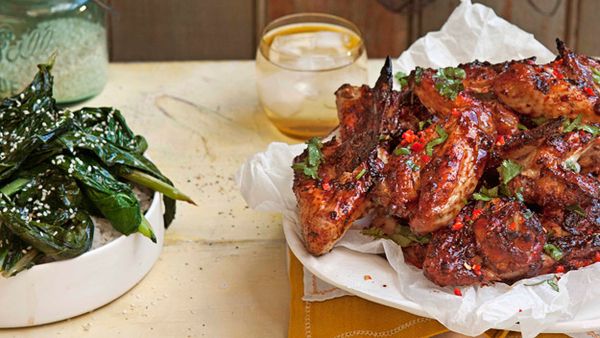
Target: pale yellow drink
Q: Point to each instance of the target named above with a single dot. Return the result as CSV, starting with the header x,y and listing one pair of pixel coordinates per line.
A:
x,y
300,66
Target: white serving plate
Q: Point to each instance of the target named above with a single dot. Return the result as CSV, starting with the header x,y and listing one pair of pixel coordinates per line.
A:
x,y
345,269
55,291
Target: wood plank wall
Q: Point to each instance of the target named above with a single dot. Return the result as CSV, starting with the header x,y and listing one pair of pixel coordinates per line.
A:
x,y
145,30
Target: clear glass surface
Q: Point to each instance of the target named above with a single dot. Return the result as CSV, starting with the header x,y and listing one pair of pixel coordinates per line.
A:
x,y
300,63
75,30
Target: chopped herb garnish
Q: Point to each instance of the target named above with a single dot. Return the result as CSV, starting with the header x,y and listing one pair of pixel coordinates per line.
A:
x,y
418,75
553,251
572,165
552,282
519,195
361,174
401,151
412,165
509,170
596,75
480,197
486,194
595,131
576,208
422,124
527,214
569,126
448,81
402,79
441,139
310,166
522,127
539,120
374,232
401,236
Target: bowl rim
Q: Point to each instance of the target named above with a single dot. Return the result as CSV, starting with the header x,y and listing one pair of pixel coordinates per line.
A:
x,y
101,249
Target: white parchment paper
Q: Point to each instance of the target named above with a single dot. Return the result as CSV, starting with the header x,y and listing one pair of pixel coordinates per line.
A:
x,y
471,32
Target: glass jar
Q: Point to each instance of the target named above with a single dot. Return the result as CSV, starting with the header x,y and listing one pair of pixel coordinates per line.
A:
x,y
32,30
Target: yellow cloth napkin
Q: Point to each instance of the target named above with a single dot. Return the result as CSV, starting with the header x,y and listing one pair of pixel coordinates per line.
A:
x,y
351,316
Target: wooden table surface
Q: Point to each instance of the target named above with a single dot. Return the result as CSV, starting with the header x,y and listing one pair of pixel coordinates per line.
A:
x,y
222,272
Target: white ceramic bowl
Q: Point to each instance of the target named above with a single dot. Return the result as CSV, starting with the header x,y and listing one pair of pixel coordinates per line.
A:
x,y
55,291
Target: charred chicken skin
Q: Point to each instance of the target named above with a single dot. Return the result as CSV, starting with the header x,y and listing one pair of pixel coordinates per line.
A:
x,y
492,169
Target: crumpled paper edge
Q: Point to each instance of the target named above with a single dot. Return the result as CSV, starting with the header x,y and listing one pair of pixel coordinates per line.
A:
x,y
499,305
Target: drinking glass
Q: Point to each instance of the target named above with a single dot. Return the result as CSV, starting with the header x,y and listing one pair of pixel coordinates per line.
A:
x,y
301,61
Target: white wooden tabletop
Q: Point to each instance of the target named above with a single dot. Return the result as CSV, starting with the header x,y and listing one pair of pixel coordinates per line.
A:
x,y
222,272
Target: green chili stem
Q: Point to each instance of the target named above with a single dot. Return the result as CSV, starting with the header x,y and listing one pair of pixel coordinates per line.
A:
x,y
14,186
146,229
155,184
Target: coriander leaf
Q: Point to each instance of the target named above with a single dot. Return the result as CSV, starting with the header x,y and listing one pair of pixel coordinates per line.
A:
x,y
553,251
552,282
539,120
401,151
522,127
596,75
448,81
594,130
572,165
576,208
361,174
519,195
443,136
570,126
310,166
491,192
402,235
314,152
373,232
402,79
418,75
481,197
412,165
422,124
509,170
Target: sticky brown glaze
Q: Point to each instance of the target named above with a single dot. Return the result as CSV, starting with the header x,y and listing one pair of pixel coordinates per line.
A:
x,y
561,222
415,254
328,205
590,159
488,247
450,253
353,103
560,88
400,181
455,169
578,250
547,178
577,68
559,187
510,239
480,76
430,98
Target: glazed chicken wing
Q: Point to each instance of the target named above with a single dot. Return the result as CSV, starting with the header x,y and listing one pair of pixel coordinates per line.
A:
x,y
487,172
454,172
549,160
336,196
500,241
562,88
